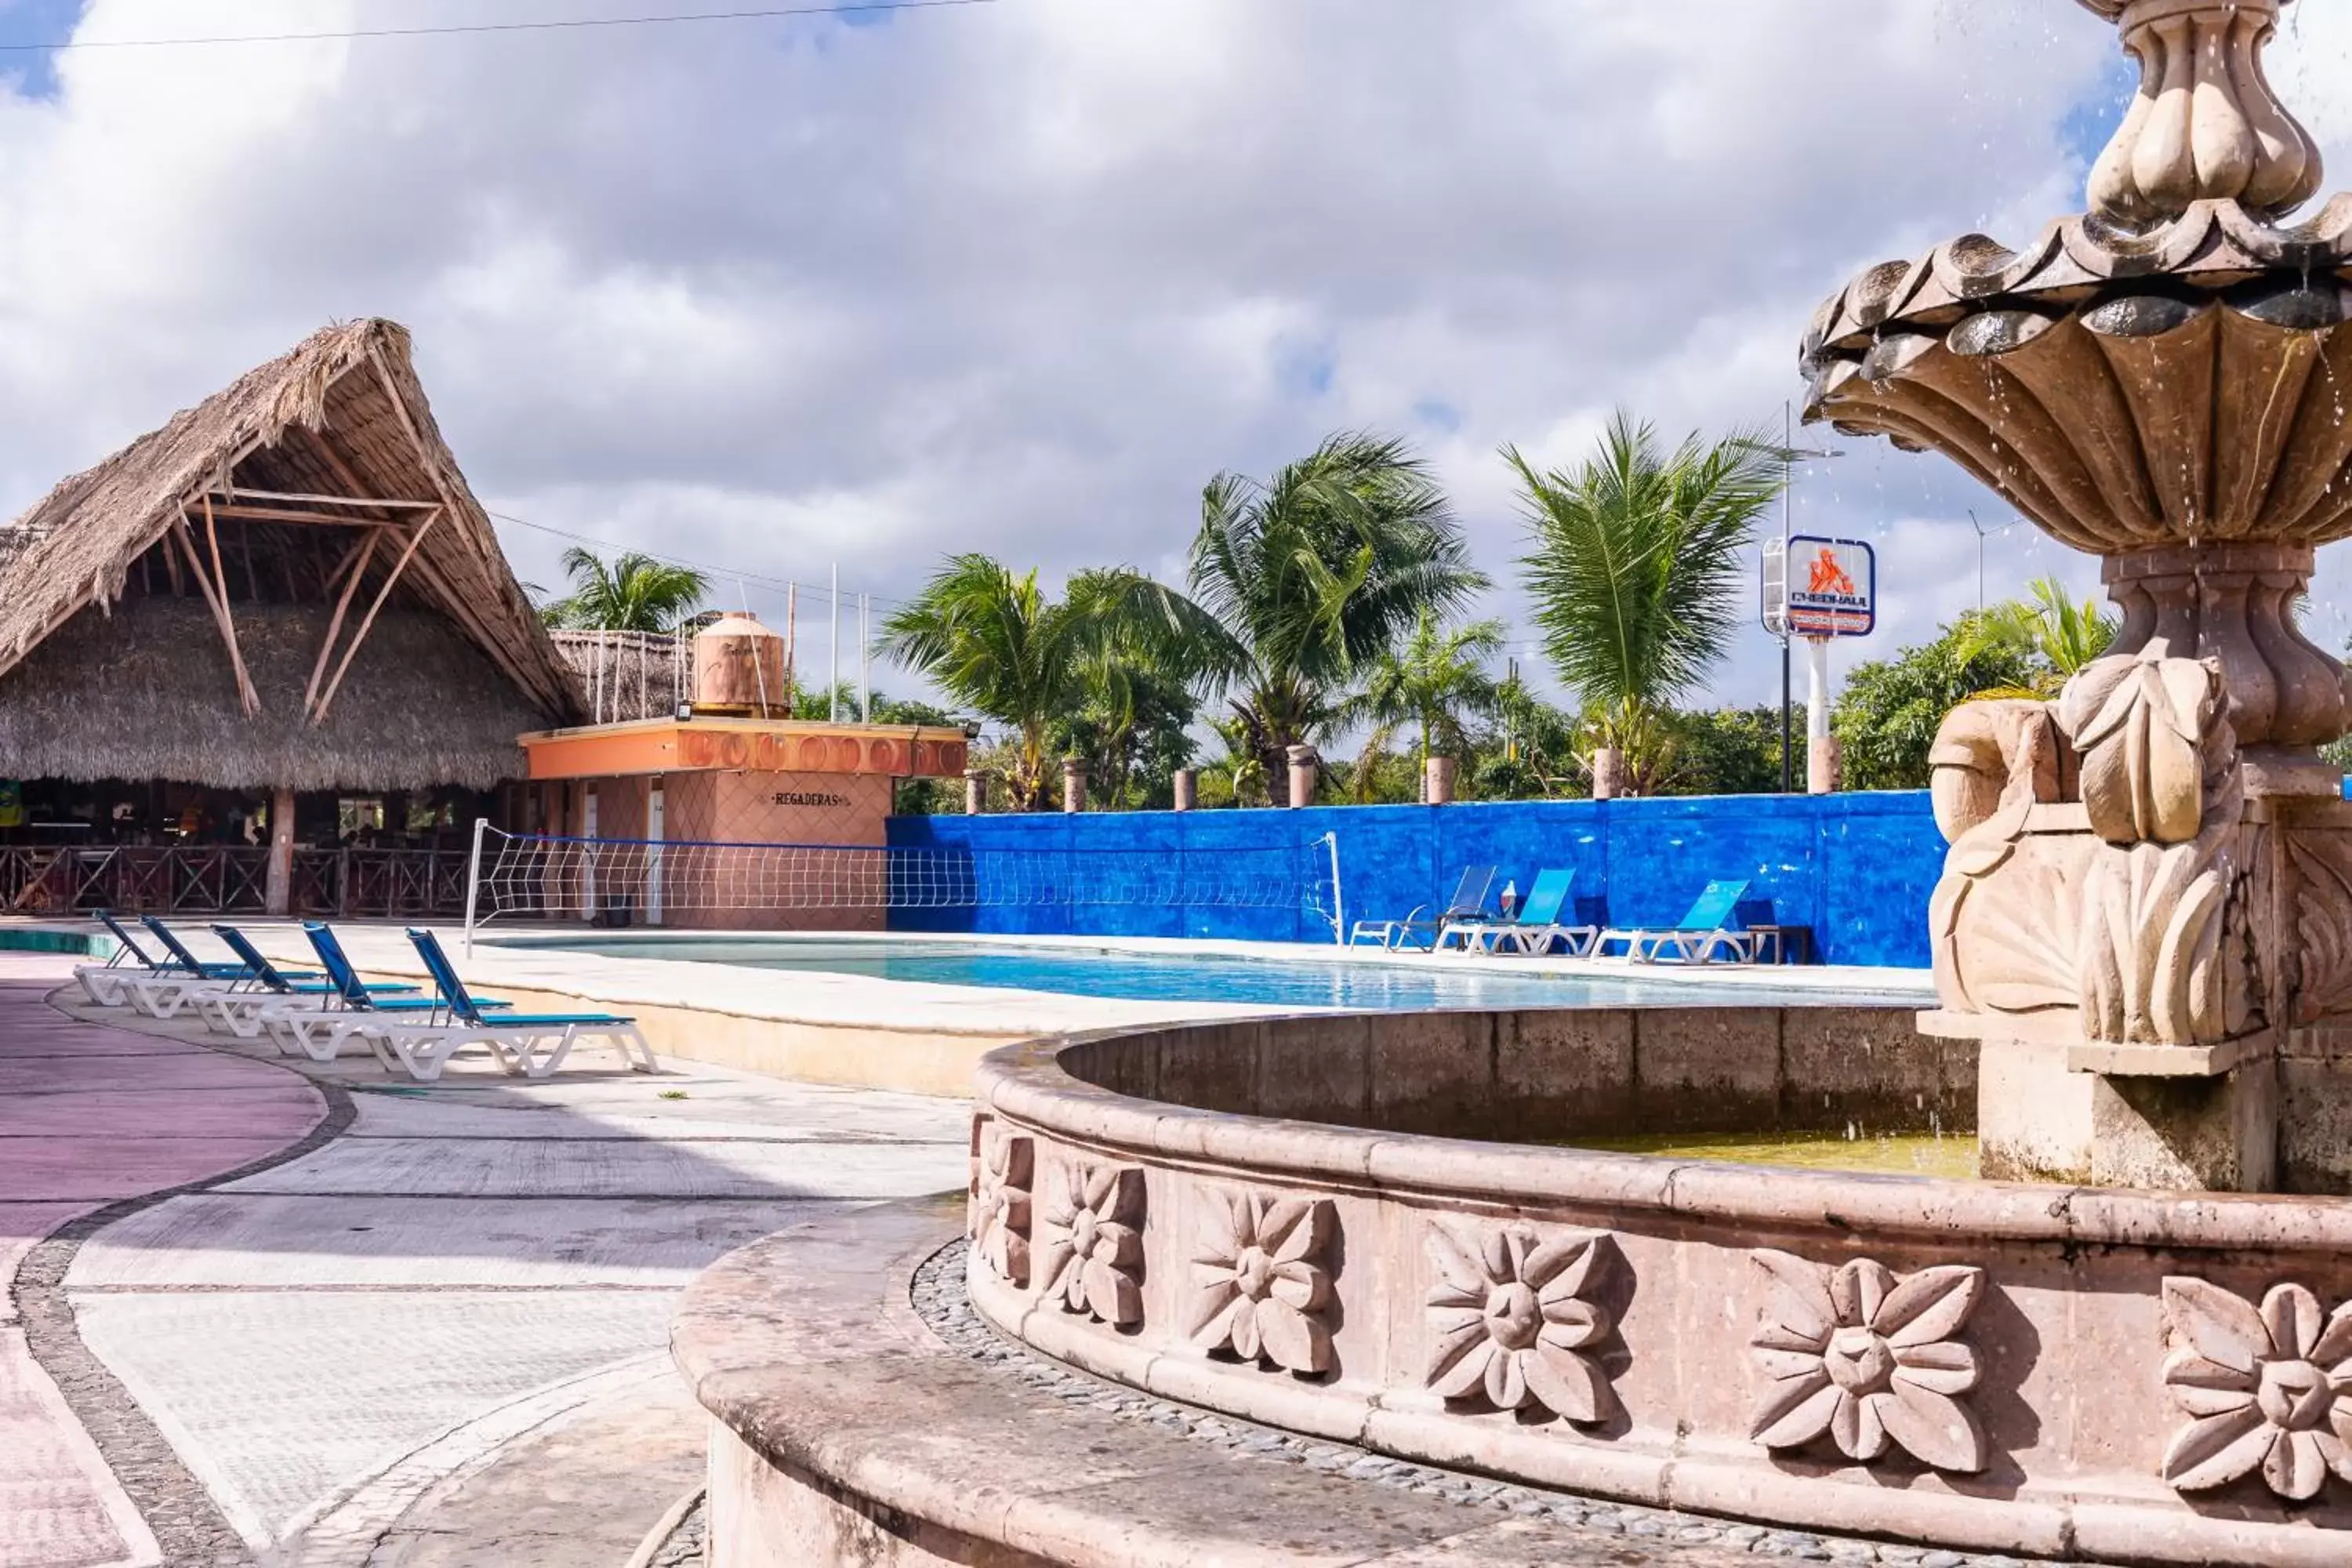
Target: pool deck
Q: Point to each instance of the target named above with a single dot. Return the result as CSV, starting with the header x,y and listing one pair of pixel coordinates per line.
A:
x,y
428,1329
925,1039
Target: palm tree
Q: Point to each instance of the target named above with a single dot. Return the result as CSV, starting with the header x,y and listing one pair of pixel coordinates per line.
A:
x,y
1634,571
998,644
2064,632
1314,573
1436,680
634,593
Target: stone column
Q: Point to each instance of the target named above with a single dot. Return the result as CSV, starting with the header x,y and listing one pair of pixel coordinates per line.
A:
x,y
1824,765
1302,775
1188,788
1437,780
1607,773
975,791
278,898
1074,784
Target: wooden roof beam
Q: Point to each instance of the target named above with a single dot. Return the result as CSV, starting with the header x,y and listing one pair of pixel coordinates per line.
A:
x,y
319,713
246,697
238,491
273,514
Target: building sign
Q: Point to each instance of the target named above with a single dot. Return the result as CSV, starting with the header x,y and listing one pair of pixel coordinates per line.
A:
x,y
810,797
1826,587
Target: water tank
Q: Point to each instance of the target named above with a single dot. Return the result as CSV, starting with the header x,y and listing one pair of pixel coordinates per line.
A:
x,y
739,668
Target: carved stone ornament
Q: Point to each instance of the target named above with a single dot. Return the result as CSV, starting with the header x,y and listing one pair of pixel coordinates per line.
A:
x,y
1001,1208
1868,1360
2139,926
2163,958
1091,1242
2206,124
2321,864
1511,1318
1260,1281
2266,1388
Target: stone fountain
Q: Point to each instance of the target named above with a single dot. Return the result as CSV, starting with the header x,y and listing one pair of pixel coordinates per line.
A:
x,y
1364,1235
2145,917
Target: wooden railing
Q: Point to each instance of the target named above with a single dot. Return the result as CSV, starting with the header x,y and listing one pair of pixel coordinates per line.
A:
x,y
230,879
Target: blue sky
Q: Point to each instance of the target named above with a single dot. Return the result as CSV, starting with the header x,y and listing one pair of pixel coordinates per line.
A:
x,y
1021,277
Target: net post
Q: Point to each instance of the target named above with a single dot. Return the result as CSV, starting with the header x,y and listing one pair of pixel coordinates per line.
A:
x,y
474,881
1338,907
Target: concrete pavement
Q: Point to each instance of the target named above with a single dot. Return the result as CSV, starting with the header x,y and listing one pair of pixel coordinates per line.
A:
x,y
412,1341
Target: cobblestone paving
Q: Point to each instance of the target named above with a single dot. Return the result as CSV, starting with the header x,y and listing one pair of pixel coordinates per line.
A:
x,y
366,1349
941,1302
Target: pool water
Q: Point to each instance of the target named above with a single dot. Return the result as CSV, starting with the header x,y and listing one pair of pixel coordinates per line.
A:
x,y
1180,977
1900,1155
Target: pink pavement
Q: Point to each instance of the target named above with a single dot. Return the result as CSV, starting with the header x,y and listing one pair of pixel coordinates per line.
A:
x,y
91,1115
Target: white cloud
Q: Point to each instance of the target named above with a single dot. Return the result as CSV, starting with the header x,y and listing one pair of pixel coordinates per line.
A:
x,y
1019,277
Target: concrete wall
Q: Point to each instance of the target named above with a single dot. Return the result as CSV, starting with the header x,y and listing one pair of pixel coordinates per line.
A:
x,y
1557,1074
1857,869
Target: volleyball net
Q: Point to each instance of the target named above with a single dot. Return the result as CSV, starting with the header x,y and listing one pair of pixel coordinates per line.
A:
x,y
633,882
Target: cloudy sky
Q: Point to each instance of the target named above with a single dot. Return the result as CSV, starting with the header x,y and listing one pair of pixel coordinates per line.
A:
x,y
1019,275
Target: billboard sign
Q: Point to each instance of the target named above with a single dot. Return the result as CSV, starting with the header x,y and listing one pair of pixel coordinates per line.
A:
x,y
1831,587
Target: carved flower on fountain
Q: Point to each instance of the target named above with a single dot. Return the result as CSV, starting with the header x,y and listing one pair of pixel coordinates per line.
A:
x,y
1510,1317
1260,1284
2267,1389
1867,1360
1001,1201
1091,1256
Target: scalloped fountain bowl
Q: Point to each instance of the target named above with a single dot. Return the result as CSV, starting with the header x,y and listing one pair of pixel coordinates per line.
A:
x,y
1270,1220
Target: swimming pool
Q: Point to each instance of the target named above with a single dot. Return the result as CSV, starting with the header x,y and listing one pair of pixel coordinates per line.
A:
x,y
1130,975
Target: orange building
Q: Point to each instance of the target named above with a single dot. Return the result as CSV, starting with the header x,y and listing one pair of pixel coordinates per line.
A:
x,y
729,767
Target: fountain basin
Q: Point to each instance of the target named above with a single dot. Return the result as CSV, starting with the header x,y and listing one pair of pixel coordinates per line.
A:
x,y
1669,1330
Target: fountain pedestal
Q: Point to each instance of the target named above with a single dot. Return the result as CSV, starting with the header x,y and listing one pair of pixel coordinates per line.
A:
x,y
2149,887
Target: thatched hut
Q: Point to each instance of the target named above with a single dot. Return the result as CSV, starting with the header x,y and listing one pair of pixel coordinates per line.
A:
x,y
284,613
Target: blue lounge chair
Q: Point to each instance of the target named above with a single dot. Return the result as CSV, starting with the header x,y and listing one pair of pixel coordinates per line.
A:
x,y
1533,928
239,1011
356,1011
167,987
1468,903
531,1043
108,983
1703,933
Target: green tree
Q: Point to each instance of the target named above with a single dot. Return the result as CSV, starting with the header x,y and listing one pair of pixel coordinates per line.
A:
x,y
2050,627
998,644
1238,778
633,592
1312,575
1528,752
1635,563
1886,720
1730,751
1134,729
1435,682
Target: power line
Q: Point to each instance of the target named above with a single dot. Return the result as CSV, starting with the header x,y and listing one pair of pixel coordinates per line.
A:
x,y
726,573
852,7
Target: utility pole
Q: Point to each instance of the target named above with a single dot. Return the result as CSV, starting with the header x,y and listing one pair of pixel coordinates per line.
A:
x,y
1984,533
865,659
833,686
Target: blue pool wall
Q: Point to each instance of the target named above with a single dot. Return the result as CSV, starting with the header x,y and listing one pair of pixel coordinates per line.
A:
x,y
1855,868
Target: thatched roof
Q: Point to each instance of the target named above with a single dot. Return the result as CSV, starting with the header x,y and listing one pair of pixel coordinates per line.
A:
x,y
146,693
341,414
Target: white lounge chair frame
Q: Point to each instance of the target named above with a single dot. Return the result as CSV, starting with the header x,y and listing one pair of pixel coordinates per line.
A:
x,y
530,1051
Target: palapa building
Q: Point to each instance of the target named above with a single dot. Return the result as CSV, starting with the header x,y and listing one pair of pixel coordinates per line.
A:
x,y
281,619
271,656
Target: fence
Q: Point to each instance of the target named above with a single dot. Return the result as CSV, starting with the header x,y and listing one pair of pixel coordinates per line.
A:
x,y
1856,869
231,879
